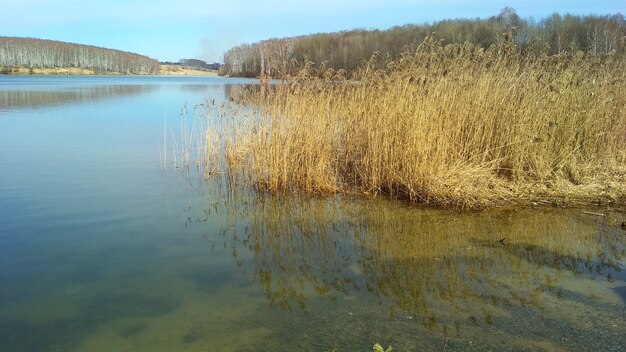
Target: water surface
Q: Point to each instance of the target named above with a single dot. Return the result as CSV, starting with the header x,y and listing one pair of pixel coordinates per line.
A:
x,y
104,249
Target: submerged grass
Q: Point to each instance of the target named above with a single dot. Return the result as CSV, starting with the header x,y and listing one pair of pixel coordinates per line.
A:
x,y
453,125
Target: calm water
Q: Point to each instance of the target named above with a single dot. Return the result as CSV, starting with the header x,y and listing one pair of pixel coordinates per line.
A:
x,y
102,249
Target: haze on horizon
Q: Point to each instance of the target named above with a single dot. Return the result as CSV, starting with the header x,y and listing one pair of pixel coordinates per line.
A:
x,y
169,31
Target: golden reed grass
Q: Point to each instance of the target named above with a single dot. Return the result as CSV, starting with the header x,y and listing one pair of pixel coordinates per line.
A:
x,y
453,125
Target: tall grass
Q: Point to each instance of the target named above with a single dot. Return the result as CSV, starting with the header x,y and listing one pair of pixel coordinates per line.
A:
x,y
453,125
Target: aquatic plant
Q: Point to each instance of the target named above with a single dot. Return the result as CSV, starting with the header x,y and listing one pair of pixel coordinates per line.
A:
x,y
449,125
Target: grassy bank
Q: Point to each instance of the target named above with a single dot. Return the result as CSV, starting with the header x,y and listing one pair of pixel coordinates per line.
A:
x,y
177,70
166,70
452,125
58,71
45,71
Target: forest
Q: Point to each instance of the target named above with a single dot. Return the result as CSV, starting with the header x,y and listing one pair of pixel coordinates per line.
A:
x,y
40,53
347,50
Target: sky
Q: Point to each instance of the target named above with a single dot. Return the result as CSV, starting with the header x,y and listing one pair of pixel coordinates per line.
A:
x,y
169,30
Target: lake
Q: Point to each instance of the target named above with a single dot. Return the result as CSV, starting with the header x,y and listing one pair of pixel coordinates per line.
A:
x,y
105,248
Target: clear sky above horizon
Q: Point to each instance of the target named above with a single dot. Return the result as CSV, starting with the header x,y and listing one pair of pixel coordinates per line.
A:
x,y
169,30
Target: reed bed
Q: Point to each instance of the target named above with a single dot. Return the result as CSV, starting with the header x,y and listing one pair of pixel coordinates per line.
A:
x,y
448,125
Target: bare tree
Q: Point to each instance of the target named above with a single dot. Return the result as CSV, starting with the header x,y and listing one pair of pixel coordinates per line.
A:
x,y
602,35
30,52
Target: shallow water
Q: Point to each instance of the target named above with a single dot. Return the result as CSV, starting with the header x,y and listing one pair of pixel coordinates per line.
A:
x,y
103,249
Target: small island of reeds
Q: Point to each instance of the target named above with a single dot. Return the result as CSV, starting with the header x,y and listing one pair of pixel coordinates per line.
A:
x,y
454,125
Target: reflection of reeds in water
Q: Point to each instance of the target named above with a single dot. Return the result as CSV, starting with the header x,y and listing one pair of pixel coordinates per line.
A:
x,y
438,266
476,265
297,251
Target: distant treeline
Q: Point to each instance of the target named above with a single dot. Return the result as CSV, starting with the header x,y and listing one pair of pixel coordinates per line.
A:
x,y
40,53
599,35
195,63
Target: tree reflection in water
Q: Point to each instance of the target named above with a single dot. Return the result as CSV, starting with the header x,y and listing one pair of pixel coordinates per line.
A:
x,y
16,99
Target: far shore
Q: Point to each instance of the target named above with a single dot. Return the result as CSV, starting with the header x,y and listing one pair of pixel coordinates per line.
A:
x,y
176,70
166,70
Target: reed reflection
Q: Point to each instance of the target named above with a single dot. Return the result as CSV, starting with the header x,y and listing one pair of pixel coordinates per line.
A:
x,y
297,251
441,268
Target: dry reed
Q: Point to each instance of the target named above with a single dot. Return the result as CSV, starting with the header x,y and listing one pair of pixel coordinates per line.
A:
x,y
453,125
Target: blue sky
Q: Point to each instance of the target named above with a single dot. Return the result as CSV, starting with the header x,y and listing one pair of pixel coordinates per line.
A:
x,y
169,30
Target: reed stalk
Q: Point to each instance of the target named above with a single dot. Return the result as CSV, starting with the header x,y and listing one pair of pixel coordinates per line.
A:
x,y
449,125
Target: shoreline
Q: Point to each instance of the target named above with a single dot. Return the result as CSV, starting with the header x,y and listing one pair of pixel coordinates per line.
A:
x,y
166,70
175,70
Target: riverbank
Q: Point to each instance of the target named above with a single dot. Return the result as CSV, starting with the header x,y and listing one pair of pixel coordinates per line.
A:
x,y
452,126
177,70
166,70
21,71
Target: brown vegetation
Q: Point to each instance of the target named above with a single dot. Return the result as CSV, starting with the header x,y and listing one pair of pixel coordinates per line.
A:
x,y
598,35
46,71
453,125
178,70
